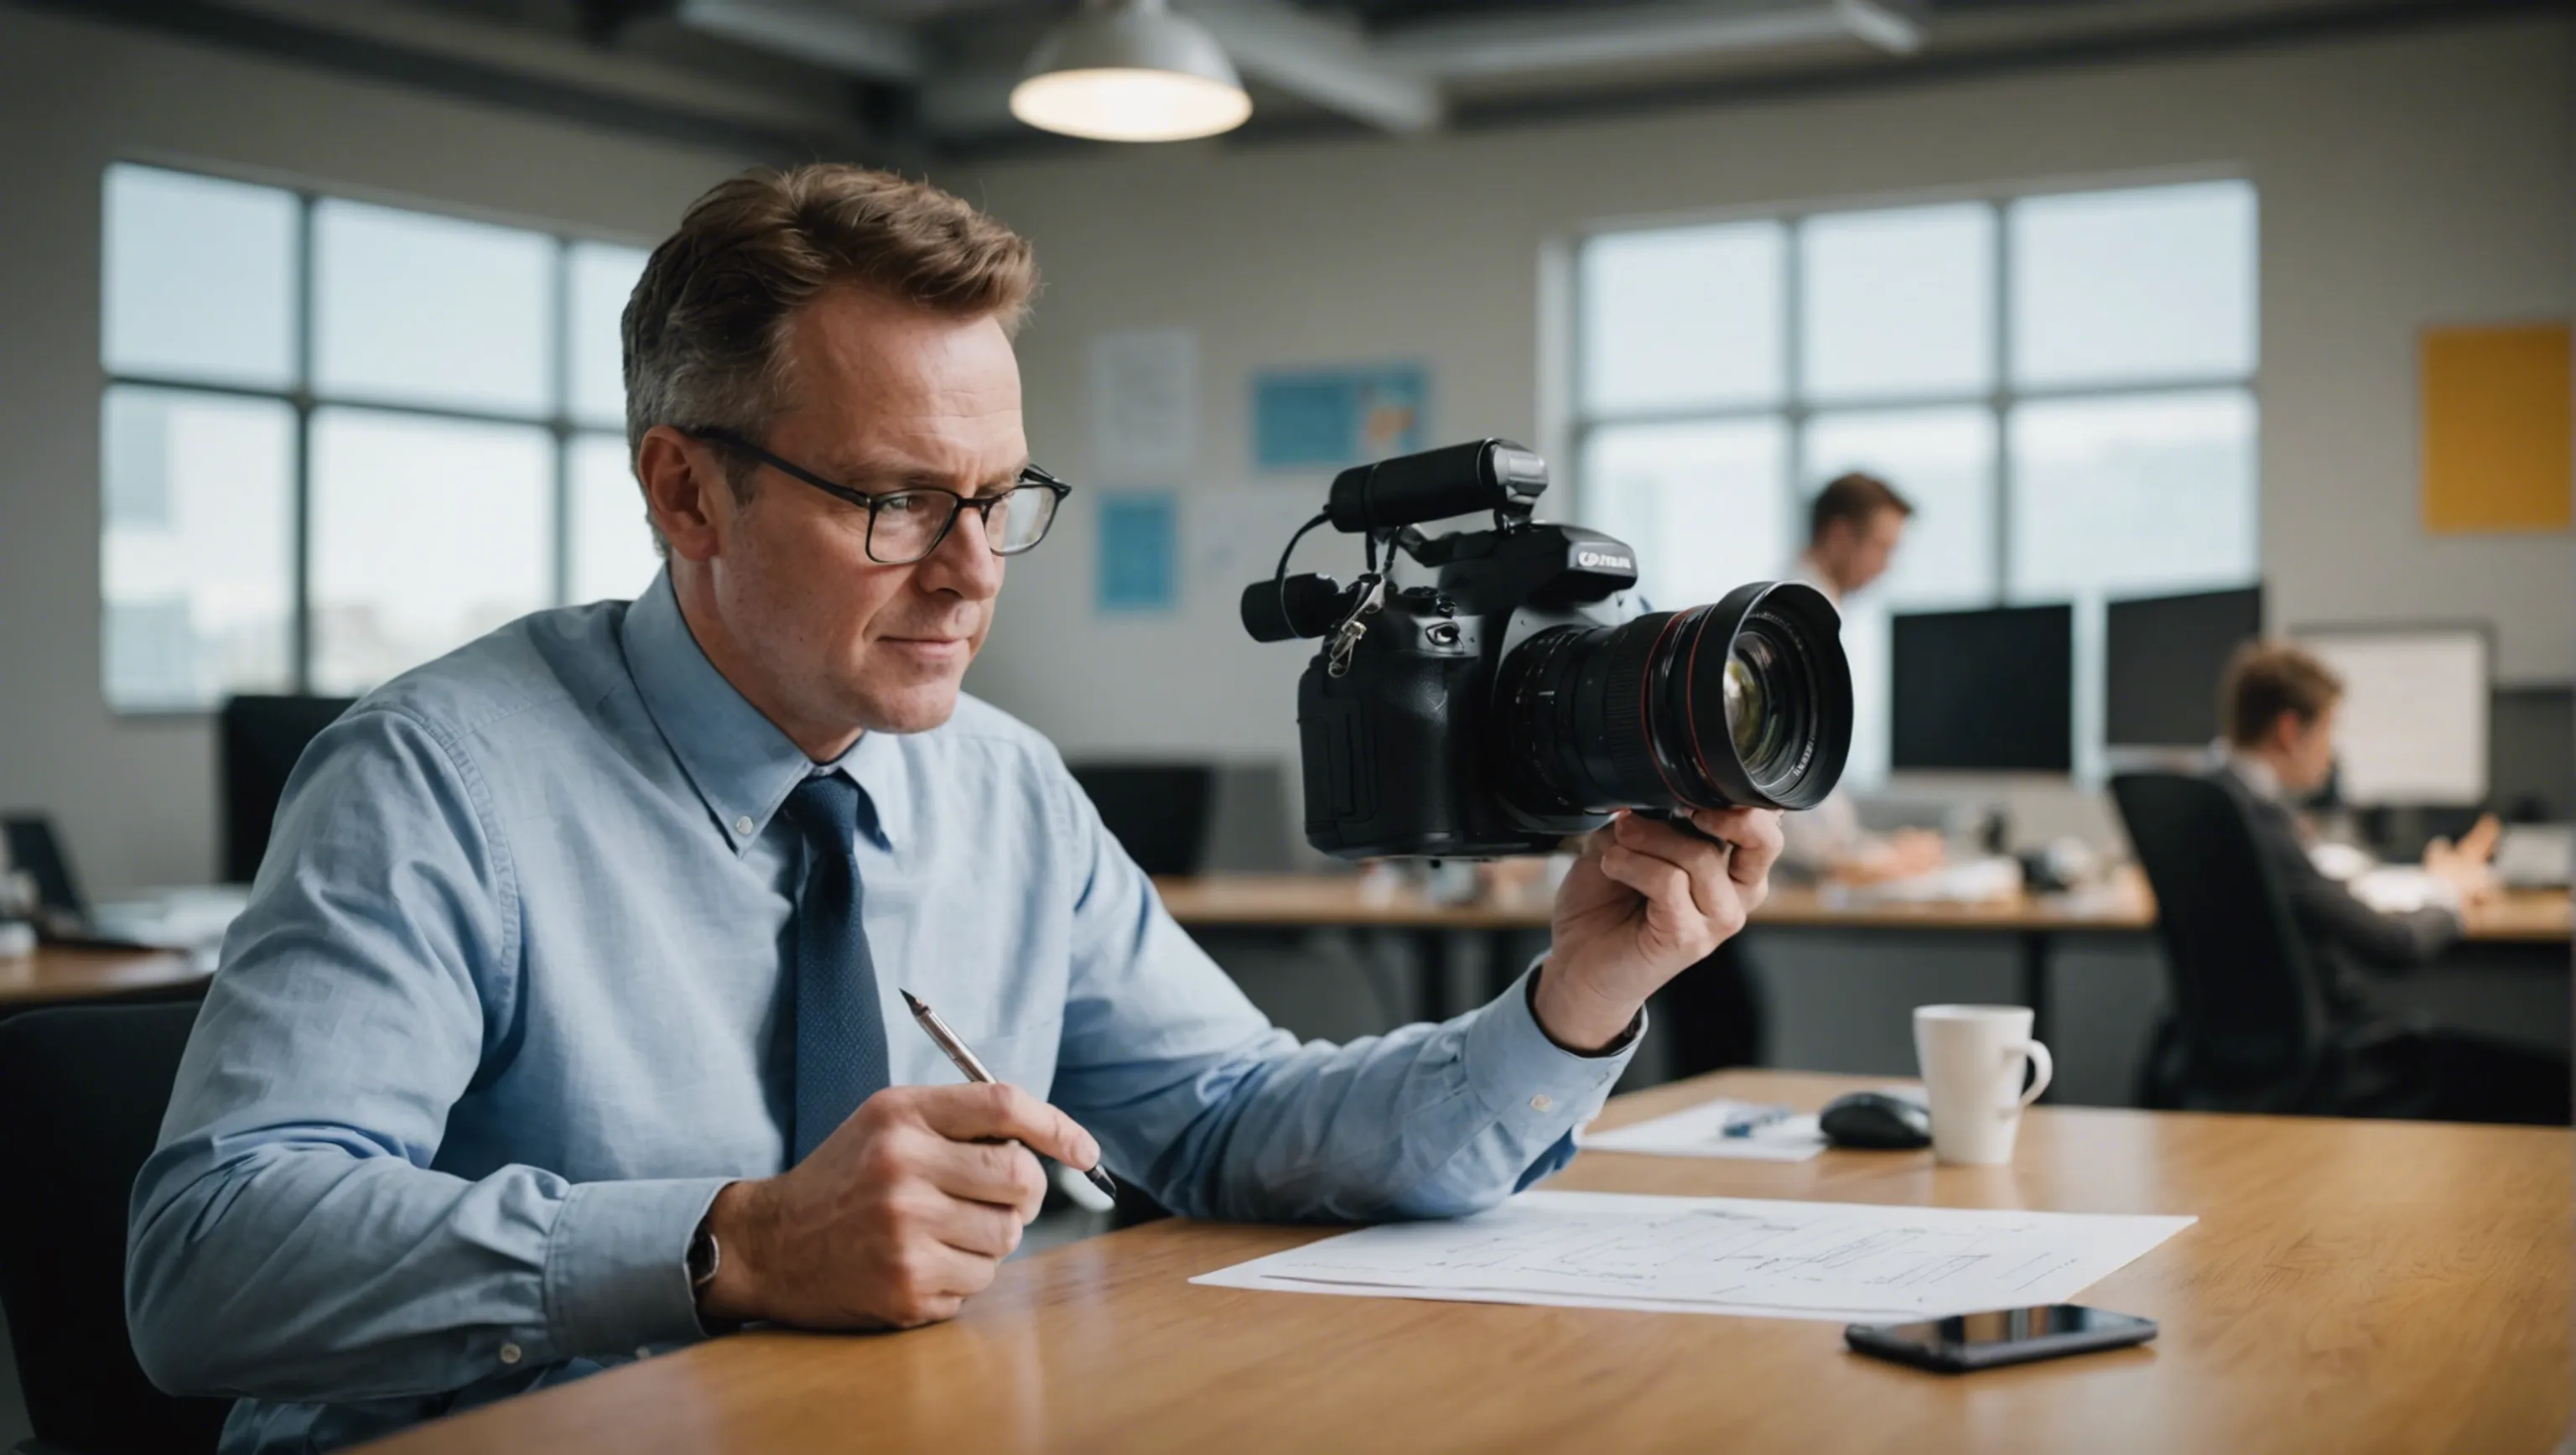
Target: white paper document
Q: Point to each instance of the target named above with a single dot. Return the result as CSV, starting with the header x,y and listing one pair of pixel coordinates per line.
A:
x,y
1848,1262
1699,1131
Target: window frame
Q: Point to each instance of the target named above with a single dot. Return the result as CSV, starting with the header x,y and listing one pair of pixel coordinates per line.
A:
x,y
1578,420
563,428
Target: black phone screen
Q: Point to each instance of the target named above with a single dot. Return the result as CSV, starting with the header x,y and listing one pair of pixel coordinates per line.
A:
x,y
2001,1336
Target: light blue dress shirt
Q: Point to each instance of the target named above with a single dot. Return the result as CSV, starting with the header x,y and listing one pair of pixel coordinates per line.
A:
x,y
505,1012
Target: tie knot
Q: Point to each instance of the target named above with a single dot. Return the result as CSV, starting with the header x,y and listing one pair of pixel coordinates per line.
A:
x,y
826,807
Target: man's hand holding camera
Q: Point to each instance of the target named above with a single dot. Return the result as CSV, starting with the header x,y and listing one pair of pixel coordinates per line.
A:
x,y
1646,901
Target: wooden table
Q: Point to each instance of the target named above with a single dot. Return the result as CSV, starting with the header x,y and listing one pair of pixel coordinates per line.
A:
x,y
2351,1286
56,973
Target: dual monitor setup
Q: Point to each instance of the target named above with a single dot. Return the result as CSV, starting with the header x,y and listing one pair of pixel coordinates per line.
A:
x,y
1995,691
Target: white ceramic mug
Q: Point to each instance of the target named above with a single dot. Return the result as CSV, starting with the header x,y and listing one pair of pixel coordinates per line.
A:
x,y
1972,1057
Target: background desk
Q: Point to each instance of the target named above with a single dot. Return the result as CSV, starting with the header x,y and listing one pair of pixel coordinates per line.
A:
x,y
2033,921
54,974
2351,1286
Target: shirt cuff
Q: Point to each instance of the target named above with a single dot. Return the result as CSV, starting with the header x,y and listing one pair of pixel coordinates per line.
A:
x,y
617,1265
1531,1085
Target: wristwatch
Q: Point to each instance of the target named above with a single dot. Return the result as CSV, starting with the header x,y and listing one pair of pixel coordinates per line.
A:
x,y
704,1259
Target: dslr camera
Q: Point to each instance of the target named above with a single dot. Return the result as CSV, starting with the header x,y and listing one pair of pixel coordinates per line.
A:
x,y
1511,690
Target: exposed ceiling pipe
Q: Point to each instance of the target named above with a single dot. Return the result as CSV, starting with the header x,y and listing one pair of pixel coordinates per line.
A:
x,y
815,33
1520,45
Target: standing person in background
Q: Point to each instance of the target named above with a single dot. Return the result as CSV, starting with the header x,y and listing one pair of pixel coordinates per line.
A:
x,y
1853,530
1713,1013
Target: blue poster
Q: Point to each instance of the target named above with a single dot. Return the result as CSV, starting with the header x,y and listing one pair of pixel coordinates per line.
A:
x,y
1140,548
1332,418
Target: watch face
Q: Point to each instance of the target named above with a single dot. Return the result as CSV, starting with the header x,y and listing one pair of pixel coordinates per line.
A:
x,y
702,1258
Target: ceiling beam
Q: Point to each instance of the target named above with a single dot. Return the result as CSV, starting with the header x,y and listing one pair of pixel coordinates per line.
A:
x,y
815,33
1317,60
1518,45
503,65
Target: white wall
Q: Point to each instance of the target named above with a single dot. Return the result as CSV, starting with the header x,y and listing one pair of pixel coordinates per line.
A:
x,y
2409,180
137,795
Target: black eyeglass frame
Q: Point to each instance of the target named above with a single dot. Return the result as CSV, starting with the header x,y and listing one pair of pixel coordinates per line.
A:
x,y
1030,477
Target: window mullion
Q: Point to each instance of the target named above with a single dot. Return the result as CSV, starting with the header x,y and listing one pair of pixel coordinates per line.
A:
x,y
562,422
1792,414
300,614
2002,403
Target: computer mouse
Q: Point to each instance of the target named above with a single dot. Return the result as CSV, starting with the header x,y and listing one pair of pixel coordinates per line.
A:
x,y
1877,1120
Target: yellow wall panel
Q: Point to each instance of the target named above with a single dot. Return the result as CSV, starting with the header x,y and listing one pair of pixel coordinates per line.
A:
x,y
2497,453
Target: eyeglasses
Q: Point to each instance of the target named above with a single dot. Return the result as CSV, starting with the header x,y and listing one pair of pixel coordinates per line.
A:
x,y
905,526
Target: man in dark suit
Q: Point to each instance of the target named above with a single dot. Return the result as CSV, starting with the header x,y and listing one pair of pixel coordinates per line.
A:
x,y
2278,705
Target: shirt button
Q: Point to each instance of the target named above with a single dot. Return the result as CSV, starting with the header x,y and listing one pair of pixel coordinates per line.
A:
x,y
1542,1102
743,825
643,1351
509,1353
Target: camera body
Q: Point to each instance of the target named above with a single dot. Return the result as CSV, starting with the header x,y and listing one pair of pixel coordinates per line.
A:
x,y
1402,753
1521,694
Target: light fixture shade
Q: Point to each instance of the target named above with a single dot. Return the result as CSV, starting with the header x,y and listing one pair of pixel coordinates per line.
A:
x,y
1130,70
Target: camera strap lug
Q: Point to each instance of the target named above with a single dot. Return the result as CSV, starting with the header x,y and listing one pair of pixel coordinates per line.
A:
x,y
1346,637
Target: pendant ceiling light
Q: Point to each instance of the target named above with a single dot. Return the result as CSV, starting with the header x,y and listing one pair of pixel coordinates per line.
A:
x,y
1130,70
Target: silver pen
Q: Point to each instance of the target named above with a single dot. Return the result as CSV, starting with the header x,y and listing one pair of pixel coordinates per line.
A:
x,y
974,1071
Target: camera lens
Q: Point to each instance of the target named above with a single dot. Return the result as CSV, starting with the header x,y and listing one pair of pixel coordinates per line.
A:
x,y
1744,702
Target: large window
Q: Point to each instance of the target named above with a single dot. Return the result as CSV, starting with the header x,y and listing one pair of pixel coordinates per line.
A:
x,y
339,439
2063,385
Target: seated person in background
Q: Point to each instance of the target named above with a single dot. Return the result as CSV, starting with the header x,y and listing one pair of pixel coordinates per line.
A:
x,y
2277,704
563,1027
1853,529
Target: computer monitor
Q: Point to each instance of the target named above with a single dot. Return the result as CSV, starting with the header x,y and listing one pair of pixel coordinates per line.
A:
x,y
1158,812
2162,658
1983,691
258,740
2412,727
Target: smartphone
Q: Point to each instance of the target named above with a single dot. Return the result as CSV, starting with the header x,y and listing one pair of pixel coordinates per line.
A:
x,y
2005,1336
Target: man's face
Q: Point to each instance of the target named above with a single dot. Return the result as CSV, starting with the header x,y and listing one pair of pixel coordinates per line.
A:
x,y
885,396
2307,751
1857,555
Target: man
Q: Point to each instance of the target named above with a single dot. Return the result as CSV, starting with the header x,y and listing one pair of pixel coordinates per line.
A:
x,y
564,1024
1854,526
2278,705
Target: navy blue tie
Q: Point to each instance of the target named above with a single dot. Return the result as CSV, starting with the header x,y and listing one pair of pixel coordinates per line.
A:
x,y
840,1025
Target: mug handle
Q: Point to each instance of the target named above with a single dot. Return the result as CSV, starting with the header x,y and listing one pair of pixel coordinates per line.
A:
x,y
2044,1069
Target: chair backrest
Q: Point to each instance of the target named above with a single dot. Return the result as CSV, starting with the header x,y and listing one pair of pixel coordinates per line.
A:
x,y
258,740
82,1090
1157,811
28,843
2247,1005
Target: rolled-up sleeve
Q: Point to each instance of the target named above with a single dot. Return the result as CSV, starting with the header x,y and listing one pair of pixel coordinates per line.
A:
x,y
1199,1099
290,1237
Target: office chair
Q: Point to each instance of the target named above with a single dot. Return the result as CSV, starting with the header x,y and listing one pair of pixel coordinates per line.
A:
x,y
1158,812
2247,1030
84,1088
258,740
28,843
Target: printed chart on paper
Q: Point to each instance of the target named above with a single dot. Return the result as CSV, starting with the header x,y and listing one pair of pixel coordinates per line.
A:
x,y
1850,1262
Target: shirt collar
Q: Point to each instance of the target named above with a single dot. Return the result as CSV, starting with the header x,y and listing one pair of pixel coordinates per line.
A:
x,y
2257,775
742,766
1807,572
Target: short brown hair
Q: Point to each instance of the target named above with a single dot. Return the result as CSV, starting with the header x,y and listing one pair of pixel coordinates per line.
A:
x,y
705,331
1855,497
2267,678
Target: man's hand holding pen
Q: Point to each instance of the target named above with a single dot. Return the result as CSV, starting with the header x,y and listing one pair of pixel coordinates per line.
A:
x,y
903,1213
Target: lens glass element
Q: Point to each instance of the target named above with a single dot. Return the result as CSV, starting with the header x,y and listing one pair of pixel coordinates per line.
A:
x,y
1764,708
1745,702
